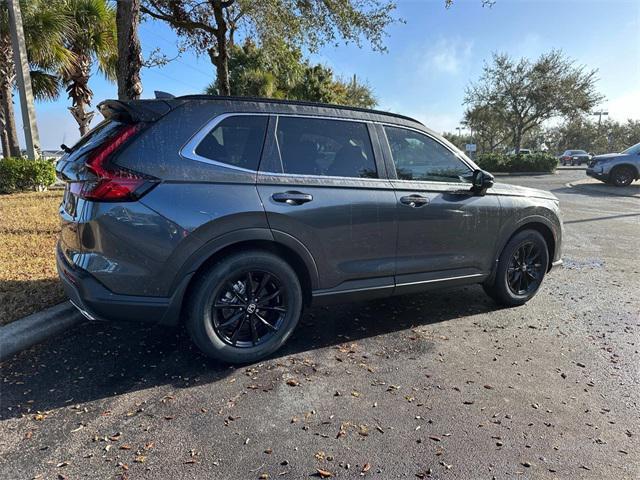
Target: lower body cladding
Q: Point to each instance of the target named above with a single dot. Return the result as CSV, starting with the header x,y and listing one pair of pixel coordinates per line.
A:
x,y
96,302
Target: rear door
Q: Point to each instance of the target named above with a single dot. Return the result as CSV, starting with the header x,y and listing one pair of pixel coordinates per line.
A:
x,y
323,182
444,232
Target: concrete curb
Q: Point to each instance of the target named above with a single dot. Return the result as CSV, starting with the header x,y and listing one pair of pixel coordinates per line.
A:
x,y
37,327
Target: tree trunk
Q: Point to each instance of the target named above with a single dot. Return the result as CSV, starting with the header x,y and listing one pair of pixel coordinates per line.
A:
x,y
79,92
7,76
220,56
129,51
517,140
6,97
4,139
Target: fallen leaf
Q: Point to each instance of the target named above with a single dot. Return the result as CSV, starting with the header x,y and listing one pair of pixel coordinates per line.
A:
x,y
324,473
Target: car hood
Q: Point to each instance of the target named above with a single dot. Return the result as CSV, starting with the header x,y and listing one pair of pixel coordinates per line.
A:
x,y
607,156
518,191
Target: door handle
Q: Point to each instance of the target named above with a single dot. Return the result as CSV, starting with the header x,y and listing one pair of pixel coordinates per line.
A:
x,y
414,201
292,198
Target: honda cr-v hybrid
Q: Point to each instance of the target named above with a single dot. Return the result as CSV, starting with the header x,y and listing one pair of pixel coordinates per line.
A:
x,y
232,215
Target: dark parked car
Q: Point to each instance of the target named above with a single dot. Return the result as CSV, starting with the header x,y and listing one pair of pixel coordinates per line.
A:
x,y
233,214
619,169
574,157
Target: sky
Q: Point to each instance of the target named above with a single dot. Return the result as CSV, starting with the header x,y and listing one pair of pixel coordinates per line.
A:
x,y
431,58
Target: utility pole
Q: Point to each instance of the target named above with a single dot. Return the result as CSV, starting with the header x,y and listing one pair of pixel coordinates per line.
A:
x,y
600,114
24,80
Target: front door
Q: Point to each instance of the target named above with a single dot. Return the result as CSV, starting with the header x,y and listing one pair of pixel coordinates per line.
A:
x,y
320,183
445,233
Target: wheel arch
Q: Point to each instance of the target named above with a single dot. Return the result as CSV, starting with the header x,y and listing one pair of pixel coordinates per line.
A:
x,y
629,165
285,246
537,223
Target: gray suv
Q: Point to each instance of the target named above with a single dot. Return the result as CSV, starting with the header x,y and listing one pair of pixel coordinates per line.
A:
x,y
619,169
231,215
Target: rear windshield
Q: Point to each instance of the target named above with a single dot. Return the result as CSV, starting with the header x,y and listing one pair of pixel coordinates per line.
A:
x,y
98,135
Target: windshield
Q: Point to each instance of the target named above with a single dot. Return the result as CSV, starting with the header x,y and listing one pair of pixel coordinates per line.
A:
x,y
578,152
635,150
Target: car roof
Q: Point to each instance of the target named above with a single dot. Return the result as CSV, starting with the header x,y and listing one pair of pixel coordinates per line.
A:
x,y
272,105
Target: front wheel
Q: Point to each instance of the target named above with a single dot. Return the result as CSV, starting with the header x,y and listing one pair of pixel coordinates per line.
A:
x,y
521,268
622,176
245,307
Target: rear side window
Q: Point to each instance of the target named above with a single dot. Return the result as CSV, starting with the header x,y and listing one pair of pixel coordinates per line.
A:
x,y
419,157
313,146
236,141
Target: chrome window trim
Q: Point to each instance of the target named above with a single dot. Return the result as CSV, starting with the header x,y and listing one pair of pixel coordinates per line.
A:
x,y
189,149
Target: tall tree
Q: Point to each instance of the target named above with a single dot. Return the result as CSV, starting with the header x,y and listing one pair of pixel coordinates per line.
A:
x,y
10,144
44,27
129,50
209,26
278,70
522,94
92,40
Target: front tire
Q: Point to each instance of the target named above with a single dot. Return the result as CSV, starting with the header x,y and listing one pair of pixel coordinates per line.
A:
x,y
521,269
622,176
244,307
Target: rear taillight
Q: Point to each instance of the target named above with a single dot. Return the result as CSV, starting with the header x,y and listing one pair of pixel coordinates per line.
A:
x,y
113,183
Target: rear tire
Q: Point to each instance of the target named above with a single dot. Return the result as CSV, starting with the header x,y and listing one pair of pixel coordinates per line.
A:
x,y
244,307
521,269
622,176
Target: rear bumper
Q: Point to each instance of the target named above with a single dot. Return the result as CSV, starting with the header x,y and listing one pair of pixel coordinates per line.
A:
x,y
96,302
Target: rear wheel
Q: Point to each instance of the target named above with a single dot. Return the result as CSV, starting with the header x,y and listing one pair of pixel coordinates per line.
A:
x,y
245,307
622,176
521,268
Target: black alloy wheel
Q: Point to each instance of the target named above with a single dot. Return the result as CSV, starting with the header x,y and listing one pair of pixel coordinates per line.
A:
x,y
244,307
249,309
622,176
524,275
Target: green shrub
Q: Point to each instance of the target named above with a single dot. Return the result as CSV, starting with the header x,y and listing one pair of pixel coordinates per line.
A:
x,y
500,162
20,174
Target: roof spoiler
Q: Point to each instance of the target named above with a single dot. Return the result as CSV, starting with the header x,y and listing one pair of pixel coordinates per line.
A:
x,y
160,95
129,111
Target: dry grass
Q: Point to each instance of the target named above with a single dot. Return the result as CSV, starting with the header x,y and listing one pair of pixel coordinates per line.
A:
x,y
29,227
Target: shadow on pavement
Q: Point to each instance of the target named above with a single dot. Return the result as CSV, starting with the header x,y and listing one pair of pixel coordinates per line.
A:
x,y
100,360
601,190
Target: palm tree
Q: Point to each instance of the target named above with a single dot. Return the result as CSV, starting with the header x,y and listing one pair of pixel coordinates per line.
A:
x,y
129,49
91,40
44,28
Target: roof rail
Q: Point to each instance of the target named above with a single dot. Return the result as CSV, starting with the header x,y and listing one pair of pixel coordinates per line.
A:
x,y
296,102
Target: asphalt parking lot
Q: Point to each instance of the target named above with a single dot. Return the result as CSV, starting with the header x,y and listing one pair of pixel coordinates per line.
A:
x,y
438,385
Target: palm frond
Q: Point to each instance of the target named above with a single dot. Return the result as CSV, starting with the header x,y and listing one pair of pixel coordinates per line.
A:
x,y
45,85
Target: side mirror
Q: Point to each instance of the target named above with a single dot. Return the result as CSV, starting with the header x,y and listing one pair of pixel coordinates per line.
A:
x,y
481,181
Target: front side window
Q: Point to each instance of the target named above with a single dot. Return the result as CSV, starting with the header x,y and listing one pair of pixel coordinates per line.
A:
x,y
419,157
236,141
313,146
